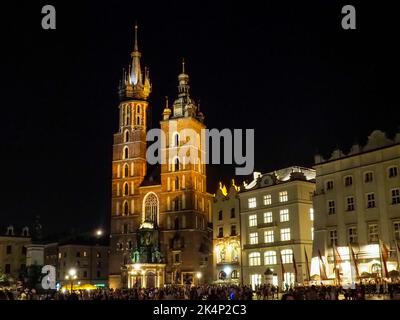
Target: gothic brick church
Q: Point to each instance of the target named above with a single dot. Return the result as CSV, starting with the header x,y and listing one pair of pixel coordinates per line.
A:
x,y
160,214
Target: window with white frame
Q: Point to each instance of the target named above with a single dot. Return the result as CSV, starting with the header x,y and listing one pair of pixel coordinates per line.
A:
x,y
254,259
252,202
393,172
371,200
368,176
348,181
285,234
289,278
253,220
333,239
269,257
312,214
396,196
350,203
267,199
284,215
283,196
287,256
396,230
268,217
269,236
352,235
253,238
331,207
373,233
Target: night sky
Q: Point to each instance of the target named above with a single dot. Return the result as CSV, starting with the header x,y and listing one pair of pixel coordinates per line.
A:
x,y
288,70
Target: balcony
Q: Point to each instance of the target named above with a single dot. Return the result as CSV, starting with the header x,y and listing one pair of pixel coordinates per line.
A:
x,y
224,263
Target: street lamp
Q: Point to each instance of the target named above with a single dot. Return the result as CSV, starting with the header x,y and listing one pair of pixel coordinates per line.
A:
x,y
71,276
99,232
198,276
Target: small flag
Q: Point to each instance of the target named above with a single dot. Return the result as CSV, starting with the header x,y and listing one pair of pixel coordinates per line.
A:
x,y
353,256
307,264
384,256
322,270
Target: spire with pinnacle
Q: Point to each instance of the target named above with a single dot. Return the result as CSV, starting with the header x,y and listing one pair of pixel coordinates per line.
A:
x,y
135,84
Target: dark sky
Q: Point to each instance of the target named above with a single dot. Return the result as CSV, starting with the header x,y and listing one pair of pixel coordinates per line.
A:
x,y
288,70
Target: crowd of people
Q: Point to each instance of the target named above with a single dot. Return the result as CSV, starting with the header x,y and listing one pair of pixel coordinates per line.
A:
x,y
215,292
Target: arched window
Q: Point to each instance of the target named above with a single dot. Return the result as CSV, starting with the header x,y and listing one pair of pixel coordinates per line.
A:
x,y
150,208
126,136
138,120
126,170
287,256
126,208
254,259
269,257
125,154
222,275
176,164
126,189
175,140
235,274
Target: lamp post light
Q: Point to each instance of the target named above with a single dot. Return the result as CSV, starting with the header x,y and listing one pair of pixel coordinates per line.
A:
x,y
198,276
71,276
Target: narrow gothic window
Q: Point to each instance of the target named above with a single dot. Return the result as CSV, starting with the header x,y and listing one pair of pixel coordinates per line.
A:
x,y
126,170
126,208
126,189
138,109
177,183
126,153
150,208
138,120
176,164
127,136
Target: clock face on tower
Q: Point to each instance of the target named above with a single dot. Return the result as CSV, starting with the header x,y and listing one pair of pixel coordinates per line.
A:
x,y
267,180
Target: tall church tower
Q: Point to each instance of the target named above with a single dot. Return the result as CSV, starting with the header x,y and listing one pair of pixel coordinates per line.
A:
x,y
129,162
186,206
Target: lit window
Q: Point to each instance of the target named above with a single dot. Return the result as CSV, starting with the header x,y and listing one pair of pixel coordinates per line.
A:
x,y
289,278
268,236
254,259
333,237
285,234
393,172
348,181
267,199
396,196
312,214
268,217
253,237
371,200
368,177
269,257
396,229
373,233
125,154
287,256
284,215
283,196
84,253
350,203
253,220
352,234
329,185
252,203
331,207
